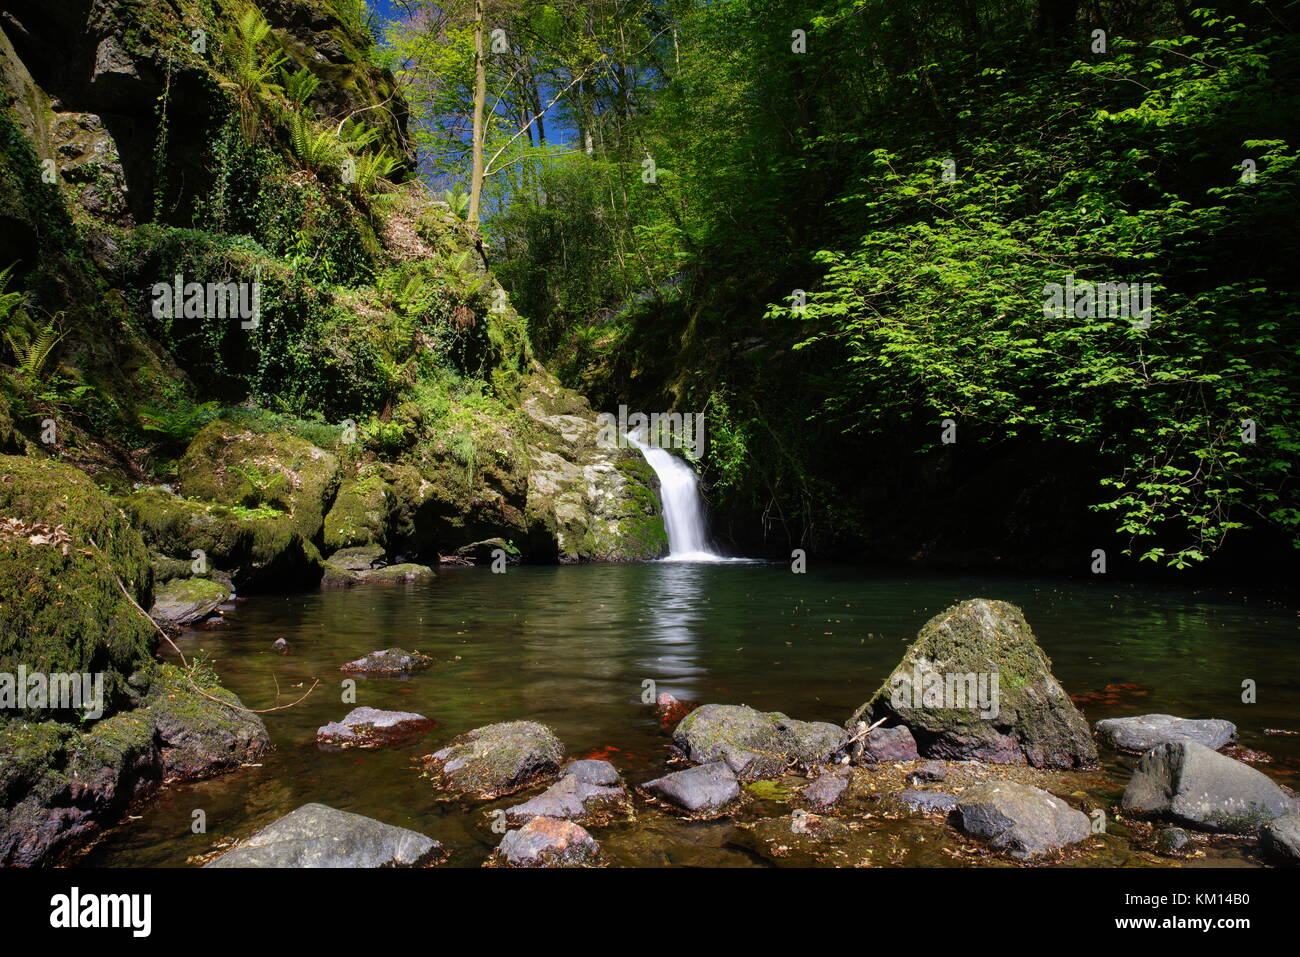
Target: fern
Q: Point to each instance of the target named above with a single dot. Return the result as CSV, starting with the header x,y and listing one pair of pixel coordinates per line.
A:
x,y
250,70
31,357
9,301
316,148
372,167
298,87
458,200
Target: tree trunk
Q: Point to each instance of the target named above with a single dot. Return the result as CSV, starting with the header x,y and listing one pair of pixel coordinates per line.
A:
x,y
480,101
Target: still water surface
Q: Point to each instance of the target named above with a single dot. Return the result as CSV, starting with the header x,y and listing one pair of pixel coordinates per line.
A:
x,y
572,646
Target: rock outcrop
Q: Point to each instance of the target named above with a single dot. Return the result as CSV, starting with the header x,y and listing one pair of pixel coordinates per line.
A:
x,y
59,786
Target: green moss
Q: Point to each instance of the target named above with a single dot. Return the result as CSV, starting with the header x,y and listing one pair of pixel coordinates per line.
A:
x,y
359,515
64,612
232,467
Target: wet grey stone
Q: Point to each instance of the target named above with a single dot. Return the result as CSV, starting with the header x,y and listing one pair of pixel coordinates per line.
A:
x,y
1144,732
579,795
1023,821
1191,784
372,728
700,790
1280,839
318,836
928,802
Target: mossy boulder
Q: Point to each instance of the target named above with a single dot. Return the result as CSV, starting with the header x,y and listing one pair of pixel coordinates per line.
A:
x,y
756,744
59,785
359,515
239,467
259,549
496,760
183,601
202,728
941,688
61,607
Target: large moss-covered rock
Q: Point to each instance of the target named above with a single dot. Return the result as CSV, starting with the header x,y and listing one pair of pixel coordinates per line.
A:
x,y
496,760
585,502
258,549
756,744
234,466
60,785
359,515
202,728
934,692
64,547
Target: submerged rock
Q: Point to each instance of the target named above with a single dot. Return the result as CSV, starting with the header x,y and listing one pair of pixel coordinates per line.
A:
x,y
929,772
927,802
756,744
318,836
1280,839
392,661
1190,783
1144,732
943,691
183,601
371,728
704,790
496,760
1023,821
281,646
826,790
1173,841
589,792
547,842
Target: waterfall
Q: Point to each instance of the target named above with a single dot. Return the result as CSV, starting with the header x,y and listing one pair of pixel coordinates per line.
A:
x,y
683,515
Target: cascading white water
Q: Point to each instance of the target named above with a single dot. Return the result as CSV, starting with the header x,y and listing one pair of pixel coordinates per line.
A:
x,y
683,516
